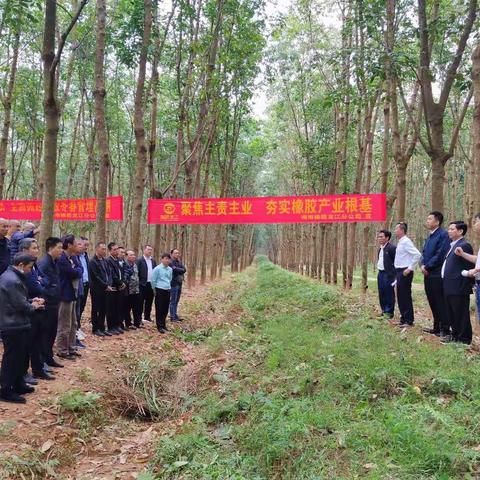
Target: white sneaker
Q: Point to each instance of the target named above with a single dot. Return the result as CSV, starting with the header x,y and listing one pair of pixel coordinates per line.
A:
x,y
80,335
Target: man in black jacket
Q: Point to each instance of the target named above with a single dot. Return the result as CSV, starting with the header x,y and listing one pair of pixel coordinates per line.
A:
x,y
114,301
4,245
386,273
435,249
179,271
457,288
35,290
146,263
100,286
15,311
50,274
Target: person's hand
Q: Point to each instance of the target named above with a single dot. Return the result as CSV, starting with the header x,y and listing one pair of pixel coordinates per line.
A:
x,y
459,251
38,303
109,289
424,271
407,272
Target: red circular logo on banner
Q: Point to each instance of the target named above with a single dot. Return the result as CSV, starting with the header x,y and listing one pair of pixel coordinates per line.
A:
x,y
169,208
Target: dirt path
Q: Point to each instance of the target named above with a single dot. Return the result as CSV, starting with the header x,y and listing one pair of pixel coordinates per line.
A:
x,y
121,447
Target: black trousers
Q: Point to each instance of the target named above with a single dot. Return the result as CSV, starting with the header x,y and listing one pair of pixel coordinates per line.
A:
x,y
436,300
35,353
386,293
82,302
113,310
49,333
404,294
458,313
99,305
146,296
15,357
133,306
162,302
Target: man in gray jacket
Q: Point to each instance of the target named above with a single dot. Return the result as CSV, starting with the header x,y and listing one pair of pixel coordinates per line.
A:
x,y
15,313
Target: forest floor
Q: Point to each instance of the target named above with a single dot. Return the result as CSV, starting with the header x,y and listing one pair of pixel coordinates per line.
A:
x,y
271,375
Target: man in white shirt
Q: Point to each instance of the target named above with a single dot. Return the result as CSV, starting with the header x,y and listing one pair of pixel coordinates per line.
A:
x,y
406,259
146,263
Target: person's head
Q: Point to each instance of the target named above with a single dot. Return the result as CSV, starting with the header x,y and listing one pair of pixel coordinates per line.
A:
x,y
384,236
30,246
101,249
148,250
53,246
434,220
166,258
70,244
28,227
131,256
14,227
4,226
86,244
113,249
23,262
457,230
401,229
121,253
175,253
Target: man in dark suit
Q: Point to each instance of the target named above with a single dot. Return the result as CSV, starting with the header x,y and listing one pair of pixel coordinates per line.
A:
x,y
456,287
146,263
386,273
50,278
114,300
435,249
100,286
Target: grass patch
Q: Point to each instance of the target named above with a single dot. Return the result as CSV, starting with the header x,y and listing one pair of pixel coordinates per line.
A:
x,y
319,390
31,464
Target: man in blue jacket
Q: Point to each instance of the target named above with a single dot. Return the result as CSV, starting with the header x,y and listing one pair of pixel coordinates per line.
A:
x,y
17,235
15,312
70,274
35,290
4,245
435,249
49,272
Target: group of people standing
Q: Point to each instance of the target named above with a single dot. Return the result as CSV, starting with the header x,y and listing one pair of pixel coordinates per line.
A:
x,y
450,270
42,300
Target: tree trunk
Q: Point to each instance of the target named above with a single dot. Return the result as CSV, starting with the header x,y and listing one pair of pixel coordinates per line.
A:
x,y
476,125
100,124
7,113
139,127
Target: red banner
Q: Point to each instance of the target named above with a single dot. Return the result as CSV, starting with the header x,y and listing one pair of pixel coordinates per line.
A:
x,y
79,210
305,209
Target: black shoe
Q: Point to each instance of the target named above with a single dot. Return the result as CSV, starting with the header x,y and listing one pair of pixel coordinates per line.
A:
x,y
46,368
98,333
107,333
54,364
67,356
12,397
446,339
43,376
163,330
431,331
23,389
132,327
139,326
120,330
76,354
